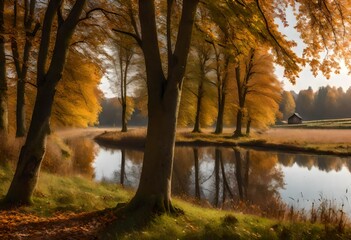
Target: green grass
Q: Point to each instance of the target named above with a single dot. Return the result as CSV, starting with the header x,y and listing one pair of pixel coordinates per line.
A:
x,y
56,193
201,223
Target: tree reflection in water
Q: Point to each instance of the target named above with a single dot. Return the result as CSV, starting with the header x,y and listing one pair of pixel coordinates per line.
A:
x,y
229,178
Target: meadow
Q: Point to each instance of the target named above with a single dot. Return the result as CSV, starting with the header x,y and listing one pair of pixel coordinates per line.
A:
x,y
342,123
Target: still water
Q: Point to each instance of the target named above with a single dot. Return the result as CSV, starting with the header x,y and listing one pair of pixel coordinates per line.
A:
x,y
226,177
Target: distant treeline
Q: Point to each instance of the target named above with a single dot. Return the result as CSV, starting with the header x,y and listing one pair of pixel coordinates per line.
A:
x,y
112,112
326,103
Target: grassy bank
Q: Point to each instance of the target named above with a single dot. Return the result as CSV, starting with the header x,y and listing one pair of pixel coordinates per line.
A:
x,y
279,141
57,194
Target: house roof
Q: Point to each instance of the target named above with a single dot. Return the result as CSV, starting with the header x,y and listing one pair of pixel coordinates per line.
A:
x,y
297,115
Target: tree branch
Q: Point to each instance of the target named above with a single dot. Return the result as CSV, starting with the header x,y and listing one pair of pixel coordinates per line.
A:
x,y
133,35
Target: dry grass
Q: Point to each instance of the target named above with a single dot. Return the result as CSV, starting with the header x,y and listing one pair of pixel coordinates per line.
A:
x,y
133,138
312,136
317,141
10,148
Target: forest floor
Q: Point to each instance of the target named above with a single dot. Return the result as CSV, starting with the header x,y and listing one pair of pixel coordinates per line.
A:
x,y
314,141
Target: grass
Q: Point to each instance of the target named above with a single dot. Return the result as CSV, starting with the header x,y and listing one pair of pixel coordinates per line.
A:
x,y
315,141
62,194
343,123
200,223
56,193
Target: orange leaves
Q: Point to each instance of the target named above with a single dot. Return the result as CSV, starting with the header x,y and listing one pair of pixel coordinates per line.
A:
x,y
19,225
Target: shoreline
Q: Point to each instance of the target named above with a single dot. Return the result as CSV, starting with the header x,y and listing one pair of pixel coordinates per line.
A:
x,y
136,139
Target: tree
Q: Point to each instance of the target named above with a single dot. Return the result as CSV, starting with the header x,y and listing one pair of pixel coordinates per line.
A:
x,y
262,108
258,90
222,72
3,82
243,78
154,191
124,49
48,76
197,106
22,64
164,89
304,103
287,105
78,87
203,56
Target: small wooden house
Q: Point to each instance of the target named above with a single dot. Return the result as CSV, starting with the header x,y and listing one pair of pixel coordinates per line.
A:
x,y
295,119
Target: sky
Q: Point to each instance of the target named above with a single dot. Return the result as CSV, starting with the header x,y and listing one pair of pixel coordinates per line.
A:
x,y
306,78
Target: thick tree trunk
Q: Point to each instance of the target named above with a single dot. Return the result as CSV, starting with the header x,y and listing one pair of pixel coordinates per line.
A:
x,y
239,119
154,191
200,90
33,151
222,92
220,115
3,82
124,118
197,128
197,117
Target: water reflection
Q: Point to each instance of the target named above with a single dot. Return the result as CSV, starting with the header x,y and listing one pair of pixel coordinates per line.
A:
x,y
231,178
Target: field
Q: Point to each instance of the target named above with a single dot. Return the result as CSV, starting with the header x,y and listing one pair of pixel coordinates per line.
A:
x,y
307,136
316,141
343,123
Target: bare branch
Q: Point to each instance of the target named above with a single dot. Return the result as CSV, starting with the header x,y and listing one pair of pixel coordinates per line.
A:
x,y
133,35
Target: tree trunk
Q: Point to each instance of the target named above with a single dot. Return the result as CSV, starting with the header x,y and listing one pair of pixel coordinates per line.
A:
x,y
21,65
20,108
3,82
197,128
222,92
154,191
220,115
32,153
248,126
239,119
124,118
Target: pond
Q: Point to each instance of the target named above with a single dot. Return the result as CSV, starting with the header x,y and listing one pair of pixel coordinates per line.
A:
x,y
242,179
